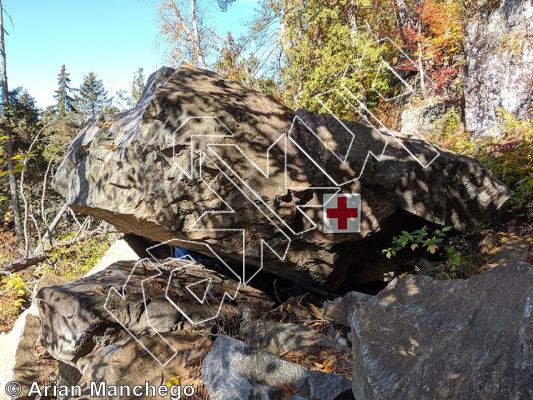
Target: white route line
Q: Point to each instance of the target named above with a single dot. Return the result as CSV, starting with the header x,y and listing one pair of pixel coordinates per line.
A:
x,y
262,241
206,290
122,295
225,295
273,217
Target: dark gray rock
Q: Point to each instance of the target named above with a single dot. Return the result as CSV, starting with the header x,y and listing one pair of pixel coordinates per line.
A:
x,y
341,309
135,170
458,339
499,55
88,314
235,371
127,363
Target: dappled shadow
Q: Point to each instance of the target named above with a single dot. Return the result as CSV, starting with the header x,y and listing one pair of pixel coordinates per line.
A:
x,y
233,367
139,172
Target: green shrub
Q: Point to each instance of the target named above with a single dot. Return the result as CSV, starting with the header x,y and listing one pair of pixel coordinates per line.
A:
x,y
419,238
72,262
454,256
510,158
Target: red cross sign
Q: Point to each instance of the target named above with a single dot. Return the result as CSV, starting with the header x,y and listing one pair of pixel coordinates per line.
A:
x,y
342,213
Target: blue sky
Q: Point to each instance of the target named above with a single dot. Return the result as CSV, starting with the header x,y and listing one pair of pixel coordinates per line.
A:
x,y
109,37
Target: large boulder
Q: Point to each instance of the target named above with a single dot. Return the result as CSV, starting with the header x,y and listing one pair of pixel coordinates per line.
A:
x,y
457,339
199,159
499,54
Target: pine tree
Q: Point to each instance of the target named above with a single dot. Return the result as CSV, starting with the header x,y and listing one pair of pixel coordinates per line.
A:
x,y
223,4
25,116
92,98
137,86
61,120
65,102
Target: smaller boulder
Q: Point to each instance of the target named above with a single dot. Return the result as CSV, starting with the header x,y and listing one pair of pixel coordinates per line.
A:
x,y
235,371
139,298
341,309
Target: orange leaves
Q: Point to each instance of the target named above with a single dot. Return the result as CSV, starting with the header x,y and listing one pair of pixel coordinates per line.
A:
x,y
442,27
326,360
441,18
436,38
443,77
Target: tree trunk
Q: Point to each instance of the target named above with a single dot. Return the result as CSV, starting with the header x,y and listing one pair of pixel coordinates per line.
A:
x,y
50,229
20,265
197,41
9,142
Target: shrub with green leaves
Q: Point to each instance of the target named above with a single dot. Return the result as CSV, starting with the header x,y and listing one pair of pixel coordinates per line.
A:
x,y
321,42
420,238
73,261
510,158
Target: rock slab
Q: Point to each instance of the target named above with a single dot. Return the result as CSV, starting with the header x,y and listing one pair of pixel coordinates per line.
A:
x,y
235,371
458,339
141,298
499,54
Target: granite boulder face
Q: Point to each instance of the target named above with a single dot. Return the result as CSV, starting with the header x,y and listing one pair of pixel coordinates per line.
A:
x,y
232,370
499,55
457,339
199,159
139,298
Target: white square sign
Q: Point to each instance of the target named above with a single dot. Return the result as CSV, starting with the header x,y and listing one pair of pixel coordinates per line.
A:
x,y
342,213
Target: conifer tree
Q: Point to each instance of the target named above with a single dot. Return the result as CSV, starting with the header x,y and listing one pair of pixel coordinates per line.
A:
x,y
92,98
137,86
61,120
65,102
25,116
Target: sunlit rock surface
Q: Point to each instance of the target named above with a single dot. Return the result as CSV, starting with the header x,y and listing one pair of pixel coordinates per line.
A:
x,y
425,339
139,171
499,54
233,370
